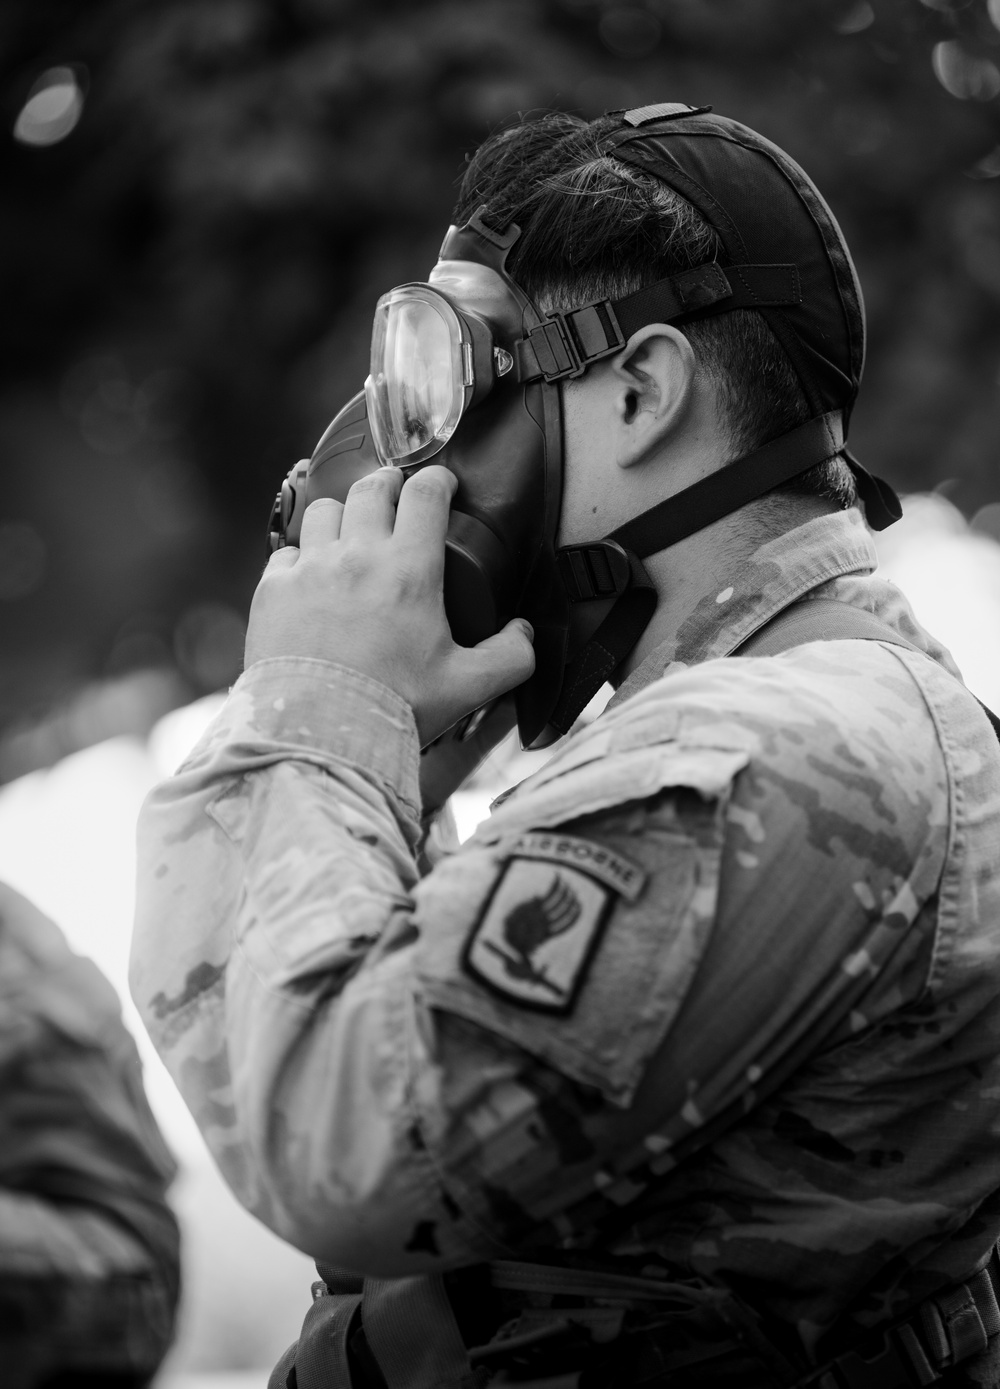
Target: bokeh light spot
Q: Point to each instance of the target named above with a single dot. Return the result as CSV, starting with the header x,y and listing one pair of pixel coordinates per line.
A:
x,y
951,576
993,6
22,560
858,18
208,644
964,74
987,521
53,108
988,166
629,32
139,644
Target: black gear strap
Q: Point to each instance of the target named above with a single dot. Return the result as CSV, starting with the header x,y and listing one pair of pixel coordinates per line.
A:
x,y
601,569
612,567
951,1327
882,506
607,648
731,487
567,343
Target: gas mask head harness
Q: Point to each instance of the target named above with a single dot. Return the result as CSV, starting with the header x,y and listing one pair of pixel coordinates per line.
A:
x,y
465,372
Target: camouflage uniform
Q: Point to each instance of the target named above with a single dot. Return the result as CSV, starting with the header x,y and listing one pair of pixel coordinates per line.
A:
x,y
88,1246
713,994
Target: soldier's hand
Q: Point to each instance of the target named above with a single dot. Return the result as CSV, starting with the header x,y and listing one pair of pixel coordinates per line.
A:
x,y
364,589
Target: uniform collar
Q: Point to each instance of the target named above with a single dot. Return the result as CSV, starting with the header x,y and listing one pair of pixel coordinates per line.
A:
x,y
778,574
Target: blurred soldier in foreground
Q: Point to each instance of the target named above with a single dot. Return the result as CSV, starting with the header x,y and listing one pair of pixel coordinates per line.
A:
x,y
685,1069
88,1247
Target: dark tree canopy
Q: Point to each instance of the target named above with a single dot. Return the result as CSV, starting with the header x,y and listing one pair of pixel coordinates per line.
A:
x,y
188,277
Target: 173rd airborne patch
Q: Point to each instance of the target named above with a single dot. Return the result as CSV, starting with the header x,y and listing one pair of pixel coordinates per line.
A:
x,y
542,923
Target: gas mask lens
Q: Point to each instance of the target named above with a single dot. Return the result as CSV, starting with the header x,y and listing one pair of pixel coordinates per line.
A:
x,y
419,372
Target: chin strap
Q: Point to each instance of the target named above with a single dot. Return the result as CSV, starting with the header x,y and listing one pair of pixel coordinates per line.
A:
x,y
612,568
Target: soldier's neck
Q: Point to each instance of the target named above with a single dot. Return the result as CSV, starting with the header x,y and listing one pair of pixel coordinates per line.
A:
x,y
706,563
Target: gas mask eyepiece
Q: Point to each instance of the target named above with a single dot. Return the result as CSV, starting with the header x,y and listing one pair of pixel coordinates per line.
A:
x,y
430,361
440,348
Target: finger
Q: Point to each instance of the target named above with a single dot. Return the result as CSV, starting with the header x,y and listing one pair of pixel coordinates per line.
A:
x,y
498,664
321,523
282,559
370,509
423,510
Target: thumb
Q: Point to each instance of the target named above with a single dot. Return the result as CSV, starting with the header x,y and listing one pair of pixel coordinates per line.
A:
x,y
501,662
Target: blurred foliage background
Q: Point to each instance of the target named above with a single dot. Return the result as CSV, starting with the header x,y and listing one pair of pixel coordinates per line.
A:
x,y
204,198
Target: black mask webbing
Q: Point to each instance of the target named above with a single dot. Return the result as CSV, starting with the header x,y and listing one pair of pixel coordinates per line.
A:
x,y
689,511
601,656
731,487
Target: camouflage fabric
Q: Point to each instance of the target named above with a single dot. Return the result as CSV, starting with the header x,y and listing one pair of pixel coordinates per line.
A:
x,y
768,1058
88,1246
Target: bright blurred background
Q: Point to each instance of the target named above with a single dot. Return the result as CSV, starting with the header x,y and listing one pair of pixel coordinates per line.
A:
x,y
204,198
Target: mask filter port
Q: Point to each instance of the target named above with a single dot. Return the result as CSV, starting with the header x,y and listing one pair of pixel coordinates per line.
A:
x,y
478,580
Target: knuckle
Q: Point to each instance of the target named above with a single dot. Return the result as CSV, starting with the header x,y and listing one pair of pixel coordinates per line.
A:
x,y
429,485
354,562
278,564
381,480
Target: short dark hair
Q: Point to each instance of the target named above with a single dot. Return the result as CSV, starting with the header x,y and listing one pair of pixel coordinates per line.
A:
x,y
593,227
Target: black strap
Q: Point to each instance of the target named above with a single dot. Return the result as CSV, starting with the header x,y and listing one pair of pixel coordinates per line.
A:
x,y
607,648
882,506
731,487
567,343
827,619
950,1327
612,566
597,570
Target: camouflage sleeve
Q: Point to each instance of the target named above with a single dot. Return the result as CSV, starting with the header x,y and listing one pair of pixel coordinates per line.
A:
x,y
270,959
399,1073
791,846
89,1257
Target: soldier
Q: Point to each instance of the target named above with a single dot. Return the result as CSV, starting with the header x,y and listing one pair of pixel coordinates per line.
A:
x,y
685,1069
89,1267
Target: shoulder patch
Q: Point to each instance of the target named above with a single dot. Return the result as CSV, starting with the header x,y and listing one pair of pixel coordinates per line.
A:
x,y
542,923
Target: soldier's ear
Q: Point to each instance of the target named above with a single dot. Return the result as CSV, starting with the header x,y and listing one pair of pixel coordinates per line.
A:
x,y
653,379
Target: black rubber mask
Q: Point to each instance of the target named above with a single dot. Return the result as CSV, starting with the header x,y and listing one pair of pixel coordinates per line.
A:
x,y
458,400
465,373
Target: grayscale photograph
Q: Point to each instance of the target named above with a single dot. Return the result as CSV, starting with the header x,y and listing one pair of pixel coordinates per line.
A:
x,y
500,694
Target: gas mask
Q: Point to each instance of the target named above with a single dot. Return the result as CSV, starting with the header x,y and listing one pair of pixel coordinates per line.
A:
x,y
444,388
465,372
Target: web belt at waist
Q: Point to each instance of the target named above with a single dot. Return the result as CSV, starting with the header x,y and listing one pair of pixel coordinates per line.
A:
x,y
949,1328
411,1339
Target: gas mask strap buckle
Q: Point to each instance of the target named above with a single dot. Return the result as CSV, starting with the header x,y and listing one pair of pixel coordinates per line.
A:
x,y
567,343
502,238
599,570
607,648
